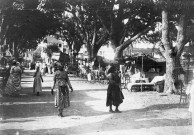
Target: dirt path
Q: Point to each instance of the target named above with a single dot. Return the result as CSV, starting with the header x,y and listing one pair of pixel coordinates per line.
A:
x,y
143,113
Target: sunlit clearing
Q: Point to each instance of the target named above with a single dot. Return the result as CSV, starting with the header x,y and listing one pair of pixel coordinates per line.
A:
x,y
97,105
66,122
110,54
115,131
24,103
97,94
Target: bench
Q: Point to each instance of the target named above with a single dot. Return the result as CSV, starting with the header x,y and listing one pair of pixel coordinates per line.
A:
x,y
140,87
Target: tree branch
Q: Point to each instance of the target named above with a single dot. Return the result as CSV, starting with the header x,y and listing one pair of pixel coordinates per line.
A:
x,y
99,43
119,49
181,28
129,41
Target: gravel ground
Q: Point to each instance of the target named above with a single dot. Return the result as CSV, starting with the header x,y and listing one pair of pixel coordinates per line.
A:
x,y
143,113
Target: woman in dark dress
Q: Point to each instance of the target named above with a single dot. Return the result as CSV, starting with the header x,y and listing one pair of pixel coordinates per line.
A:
x,y
114,94
61,83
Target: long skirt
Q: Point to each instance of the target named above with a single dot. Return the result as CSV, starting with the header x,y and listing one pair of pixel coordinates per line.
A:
x,y
37,85
13,86
114,95
62,98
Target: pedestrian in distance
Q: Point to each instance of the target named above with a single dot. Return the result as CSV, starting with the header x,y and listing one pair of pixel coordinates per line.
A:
x,y
37,85
61,86
3,61
51,67
114,94
43,68
38,64
18,65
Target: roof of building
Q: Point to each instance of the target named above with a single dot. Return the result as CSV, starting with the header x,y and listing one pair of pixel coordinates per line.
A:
x,y
51,39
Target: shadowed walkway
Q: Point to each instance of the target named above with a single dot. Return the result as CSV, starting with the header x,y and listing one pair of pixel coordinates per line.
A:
x,y
142,113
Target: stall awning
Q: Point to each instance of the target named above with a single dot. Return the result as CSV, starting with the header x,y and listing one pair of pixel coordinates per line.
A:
x,y
146,62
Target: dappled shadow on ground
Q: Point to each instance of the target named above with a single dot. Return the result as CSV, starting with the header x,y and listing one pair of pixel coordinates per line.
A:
x,y
24,81
29,105
161,107
17,121
85,114
79,80
135,119
166,106
90,90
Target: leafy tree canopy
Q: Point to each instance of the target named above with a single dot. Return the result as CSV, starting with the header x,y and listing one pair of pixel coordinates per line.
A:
x,y
24,25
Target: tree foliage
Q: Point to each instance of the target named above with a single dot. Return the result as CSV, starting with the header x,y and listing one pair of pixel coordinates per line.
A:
x,y
94,22
24,25
81,25
50,49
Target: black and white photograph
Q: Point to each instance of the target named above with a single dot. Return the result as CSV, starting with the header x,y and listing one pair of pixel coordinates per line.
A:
x,y
96,67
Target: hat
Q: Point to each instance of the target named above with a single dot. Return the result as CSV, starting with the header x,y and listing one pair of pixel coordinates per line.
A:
x,y
58,65
14,62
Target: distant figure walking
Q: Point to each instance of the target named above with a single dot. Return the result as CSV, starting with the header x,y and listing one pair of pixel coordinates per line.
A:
x,y
52,67
38,64
37,85
13,86
3,61
61,83
114,94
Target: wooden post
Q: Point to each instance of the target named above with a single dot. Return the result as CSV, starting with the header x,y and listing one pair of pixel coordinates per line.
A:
x,y
188,68
142,73
13,49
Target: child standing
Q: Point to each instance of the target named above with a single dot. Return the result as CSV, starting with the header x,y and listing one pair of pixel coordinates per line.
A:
x,y
37,86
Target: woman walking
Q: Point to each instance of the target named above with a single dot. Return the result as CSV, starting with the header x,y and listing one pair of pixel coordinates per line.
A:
x,y
37,85
61,83
13,86
114,94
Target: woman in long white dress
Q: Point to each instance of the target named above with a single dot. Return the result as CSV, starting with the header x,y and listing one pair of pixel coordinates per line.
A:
x,y
37,86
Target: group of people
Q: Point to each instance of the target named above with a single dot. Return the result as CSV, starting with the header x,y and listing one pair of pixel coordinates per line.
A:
x,y
43,67
61,86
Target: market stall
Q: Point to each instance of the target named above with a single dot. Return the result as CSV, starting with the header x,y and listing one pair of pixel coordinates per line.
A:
x,y
145,69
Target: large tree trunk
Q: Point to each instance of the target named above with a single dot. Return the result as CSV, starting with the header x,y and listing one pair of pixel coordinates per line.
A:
x,y
96,45
170,67
173,69
15,50
89,50
172,54
170,62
